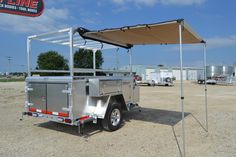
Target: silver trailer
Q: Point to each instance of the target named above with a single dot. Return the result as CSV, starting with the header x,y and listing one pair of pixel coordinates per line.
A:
x,y
216,74
163,33
212,71
76,100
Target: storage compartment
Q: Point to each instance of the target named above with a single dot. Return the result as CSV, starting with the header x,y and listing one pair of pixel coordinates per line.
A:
x,y
48,98
101,87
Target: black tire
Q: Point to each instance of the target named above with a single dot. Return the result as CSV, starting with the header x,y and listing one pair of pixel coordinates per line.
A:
x,y
168,79
107,121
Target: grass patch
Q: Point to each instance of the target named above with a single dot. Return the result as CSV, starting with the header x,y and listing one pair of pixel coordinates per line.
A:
x,y
12,79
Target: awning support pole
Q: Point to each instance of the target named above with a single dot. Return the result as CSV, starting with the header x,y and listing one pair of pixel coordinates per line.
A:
x,y
205,77
94,62
181,86
130,61
29,56
71,53
117,59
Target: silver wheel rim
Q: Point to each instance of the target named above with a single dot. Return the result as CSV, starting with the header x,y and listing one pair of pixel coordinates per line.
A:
x,y
115,117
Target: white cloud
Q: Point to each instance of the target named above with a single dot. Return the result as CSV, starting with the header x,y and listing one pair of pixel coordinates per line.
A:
x,y
212,43
181,2
217,42
136,2
119,1
51,19
164,2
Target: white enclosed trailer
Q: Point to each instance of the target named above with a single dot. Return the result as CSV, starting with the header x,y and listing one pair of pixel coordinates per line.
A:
x,y
162,78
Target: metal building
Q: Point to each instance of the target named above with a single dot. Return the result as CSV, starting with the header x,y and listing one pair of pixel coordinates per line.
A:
x,y
144,71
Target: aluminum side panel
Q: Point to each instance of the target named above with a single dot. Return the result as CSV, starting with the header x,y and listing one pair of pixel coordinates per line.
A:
x,y
80,99
136,94
126,90
56,99
38,95
110,86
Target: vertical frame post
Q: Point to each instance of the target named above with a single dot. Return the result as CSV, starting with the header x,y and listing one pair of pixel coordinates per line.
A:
x,y
205,77
181,85
29,56
94,62
71,52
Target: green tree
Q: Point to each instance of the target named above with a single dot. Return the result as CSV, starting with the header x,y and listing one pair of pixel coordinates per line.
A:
x,y
51,60
83,58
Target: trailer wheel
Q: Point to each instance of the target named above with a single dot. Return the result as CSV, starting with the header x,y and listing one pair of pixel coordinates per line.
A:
x,y
168,79
113,118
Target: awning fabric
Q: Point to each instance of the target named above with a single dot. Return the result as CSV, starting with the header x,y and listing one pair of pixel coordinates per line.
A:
x,y
144,34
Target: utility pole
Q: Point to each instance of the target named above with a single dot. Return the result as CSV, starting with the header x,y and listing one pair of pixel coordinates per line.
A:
x,y
9,58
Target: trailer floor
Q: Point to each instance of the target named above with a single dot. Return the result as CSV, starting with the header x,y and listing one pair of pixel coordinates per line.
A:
x,y
156,131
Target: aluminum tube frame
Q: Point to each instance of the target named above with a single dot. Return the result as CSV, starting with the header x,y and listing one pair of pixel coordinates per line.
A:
x,y
81,70
205,84
29,56
71,52
51,71
181,86
50,33
73,41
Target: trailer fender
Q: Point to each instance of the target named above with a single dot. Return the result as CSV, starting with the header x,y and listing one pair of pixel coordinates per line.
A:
x,y
119,99
104,103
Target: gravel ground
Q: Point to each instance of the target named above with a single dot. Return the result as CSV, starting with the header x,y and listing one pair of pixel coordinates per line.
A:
x,y
156,131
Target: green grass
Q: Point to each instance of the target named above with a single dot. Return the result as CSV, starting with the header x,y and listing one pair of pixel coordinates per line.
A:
x,y
12,79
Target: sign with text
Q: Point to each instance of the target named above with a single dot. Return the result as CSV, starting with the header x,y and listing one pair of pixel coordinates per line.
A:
x,y
30,8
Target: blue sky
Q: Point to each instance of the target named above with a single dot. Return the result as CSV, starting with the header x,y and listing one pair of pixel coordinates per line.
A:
x,y
214,20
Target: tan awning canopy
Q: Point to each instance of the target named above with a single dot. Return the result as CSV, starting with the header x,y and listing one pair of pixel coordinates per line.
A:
x,y
145,34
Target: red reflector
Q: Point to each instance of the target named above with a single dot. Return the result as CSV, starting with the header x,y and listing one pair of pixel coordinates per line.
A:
x,y
44,111
68,120
49,112
32,109
63,114
84,118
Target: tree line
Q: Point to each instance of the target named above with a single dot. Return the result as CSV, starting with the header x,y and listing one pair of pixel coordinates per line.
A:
x,y
83,58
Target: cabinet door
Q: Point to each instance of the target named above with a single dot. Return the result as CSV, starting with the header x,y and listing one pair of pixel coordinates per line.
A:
x,y
37,96
56,98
